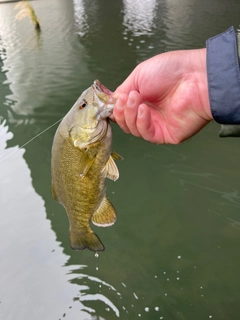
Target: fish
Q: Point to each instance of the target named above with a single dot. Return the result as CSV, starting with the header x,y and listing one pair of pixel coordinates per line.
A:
x,y
82,159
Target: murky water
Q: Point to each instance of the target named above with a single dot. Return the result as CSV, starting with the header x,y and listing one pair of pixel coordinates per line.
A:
x,y
174,251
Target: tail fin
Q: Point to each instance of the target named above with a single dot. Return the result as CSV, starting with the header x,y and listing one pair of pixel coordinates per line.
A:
x,y
86,239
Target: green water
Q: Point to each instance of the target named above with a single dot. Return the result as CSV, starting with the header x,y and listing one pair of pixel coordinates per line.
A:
x,y
174,250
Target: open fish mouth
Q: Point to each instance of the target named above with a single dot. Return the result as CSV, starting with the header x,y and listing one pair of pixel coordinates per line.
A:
x,y
98,86
105,99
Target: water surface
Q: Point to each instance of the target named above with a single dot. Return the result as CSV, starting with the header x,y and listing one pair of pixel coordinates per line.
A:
x,y
174,251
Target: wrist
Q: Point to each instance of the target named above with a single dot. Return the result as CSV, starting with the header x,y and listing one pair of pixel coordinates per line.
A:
x,y
203,85
199,67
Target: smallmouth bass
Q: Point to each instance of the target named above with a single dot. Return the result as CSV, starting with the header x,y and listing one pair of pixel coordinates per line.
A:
x,y
82,159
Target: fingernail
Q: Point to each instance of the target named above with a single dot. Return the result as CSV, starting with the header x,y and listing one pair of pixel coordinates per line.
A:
x,y
140,111
119,103
115,95
130,101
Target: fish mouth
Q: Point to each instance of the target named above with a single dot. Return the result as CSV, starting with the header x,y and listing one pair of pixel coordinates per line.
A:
x,y
104,98
100,88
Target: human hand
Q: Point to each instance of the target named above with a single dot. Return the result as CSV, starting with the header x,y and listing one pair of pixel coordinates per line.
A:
x,y
165,98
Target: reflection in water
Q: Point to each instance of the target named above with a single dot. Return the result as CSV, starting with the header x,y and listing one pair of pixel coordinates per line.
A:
x,y
80,17
14,40
139,16
36,65
175,17
232,222
98,296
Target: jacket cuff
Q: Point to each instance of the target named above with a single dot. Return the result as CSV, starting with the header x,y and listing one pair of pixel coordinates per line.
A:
x,y
224,77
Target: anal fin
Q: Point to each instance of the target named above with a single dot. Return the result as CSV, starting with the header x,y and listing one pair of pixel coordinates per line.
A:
x,y
105,216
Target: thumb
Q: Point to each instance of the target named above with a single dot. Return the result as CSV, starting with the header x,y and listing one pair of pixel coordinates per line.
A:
x,y
130,84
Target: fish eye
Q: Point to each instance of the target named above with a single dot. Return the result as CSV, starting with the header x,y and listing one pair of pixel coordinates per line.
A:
x,y
83,105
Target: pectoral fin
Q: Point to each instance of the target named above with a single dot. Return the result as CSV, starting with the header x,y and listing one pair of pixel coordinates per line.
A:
x,y
105,216
111,169
86,161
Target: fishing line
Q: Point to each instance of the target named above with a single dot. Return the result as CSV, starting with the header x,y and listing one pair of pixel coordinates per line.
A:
x,y
35,137
29,141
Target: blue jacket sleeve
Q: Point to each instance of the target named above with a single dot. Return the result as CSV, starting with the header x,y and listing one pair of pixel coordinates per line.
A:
x,y
224,77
